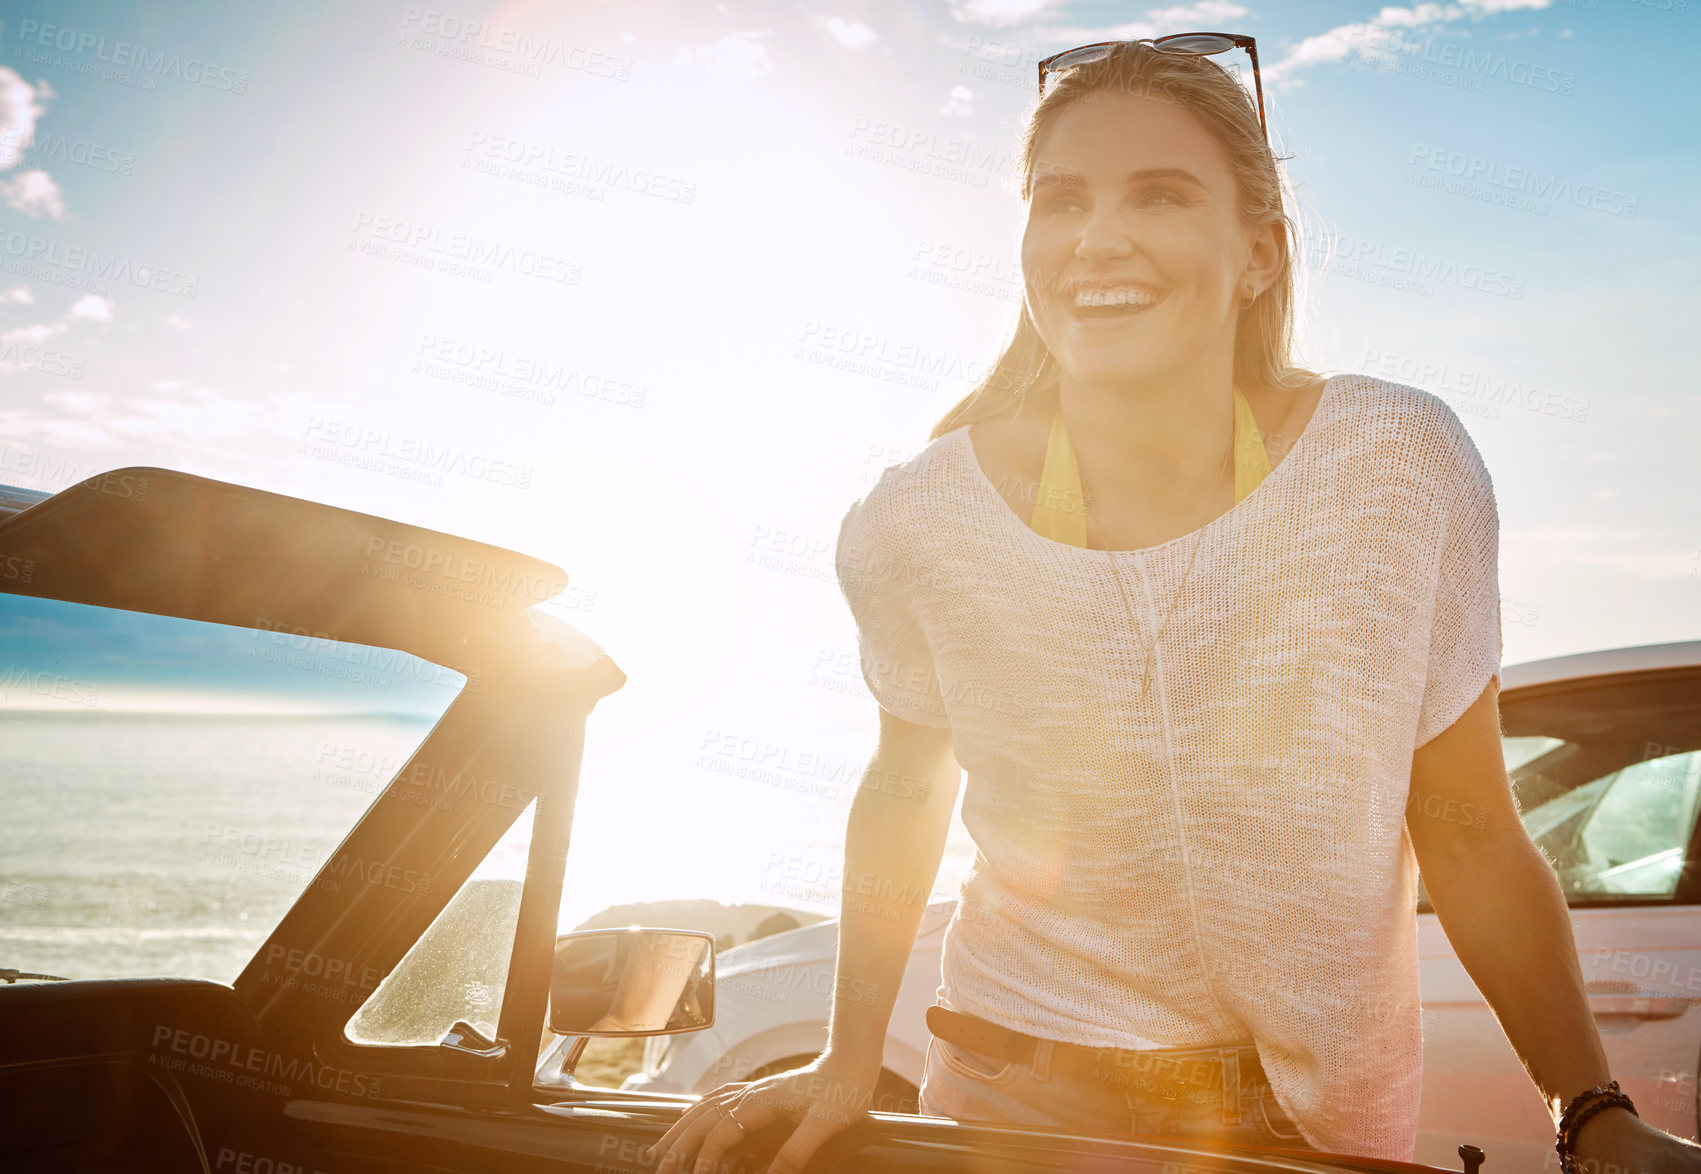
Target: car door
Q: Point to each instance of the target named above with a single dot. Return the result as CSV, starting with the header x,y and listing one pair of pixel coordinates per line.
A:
x,y
193,593
1607,773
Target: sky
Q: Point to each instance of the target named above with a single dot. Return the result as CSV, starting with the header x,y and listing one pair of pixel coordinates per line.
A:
x,y
654,291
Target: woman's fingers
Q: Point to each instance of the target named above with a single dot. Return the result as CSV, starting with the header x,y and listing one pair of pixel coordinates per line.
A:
x,y
813,1097
677,1155
667,1139
682,1137
712,1097
728,1132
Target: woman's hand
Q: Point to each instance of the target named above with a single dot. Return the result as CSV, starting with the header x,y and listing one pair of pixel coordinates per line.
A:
x,y
1617,1139
824,1097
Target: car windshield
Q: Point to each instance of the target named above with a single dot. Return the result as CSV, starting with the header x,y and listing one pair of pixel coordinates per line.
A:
x,y
172,786
1609,784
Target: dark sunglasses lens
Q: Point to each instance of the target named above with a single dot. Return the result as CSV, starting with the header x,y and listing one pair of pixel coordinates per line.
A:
x,y
1197,43
1079,57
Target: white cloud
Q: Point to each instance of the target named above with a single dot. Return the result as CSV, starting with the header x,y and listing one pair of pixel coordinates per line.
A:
x,y
145,430
93,307
1333,45
1183,18
53,430
961,102
178,322
1369,37
735,57
1001,13
1069,36
17,295
1206,14
31,192
34,334
852,34
34,193
20,106
90,307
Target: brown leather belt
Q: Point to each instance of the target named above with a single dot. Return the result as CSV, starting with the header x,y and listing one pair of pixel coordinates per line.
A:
x,y
1168,1072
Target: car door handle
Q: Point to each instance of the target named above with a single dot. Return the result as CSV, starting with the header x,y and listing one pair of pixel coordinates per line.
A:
x,y
1621,1000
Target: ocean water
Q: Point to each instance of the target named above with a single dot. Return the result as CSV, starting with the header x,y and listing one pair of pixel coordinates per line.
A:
x,y
171,844
168,787
155,844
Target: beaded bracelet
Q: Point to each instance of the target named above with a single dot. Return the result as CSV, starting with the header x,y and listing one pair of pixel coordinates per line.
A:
x,y
1603,1097
1609,1086
1577,1102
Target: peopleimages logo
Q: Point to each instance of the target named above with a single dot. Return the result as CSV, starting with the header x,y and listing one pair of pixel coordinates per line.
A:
x,y
523,376
456,566
374,446
518,44
50,473
27,356
577,166
466,246
248,1066
47,147
128,55
69,690
94,264
1352,252
1465,58
1524,180
385,663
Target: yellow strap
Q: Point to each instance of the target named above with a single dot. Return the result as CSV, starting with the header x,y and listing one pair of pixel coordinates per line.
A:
x,y
1059,513
1251,461
1058,510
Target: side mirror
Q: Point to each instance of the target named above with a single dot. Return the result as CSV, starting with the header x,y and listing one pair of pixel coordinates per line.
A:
x,y
632,981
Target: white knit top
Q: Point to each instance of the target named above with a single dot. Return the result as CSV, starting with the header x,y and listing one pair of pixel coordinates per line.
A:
x,y
1228,859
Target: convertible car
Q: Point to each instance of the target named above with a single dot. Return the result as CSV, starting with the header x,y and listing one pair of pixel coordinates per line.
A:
x,y
392,1013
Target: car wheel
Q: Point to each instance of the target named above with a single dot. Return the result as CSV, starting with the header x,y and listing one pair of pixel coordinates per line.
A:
x,y
892,1093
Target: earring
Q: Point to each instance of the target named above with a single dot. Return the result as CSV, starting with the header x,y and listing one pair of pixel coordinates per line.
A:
x,y
1246,302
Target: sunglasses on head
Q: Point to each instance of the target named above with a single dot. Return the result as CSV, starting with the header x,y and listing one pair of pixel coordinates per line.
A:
x,y
1190,44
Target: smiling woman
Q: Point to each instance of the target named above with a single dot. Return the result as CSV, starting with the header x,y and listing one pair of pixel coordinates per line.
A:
x,y
1190,912
1164,150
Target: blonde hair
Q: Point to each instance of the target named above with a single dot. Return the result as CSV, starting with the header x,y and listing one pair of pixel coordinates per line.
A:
x,y
1264,335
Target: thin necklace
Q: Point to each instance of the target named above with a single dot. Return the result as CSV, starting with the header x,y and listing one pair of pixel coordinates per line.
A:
x,y
1199,536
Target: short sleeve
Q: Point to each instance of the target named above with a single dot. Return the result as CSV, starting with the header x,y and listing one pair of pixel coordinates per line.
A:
x,y
1466,640
877,579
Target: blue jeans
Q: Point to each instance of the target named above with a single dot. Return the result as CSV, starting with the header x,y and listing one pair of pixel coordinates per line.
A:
x,y
968,1086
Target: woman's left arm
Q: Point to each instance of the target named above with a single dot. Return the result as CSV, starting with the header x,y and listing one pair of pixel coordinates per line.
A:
x,y
1504,913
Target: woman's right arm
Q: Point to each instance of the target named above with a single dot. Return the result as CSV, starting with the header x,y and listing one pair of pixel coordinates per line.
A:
x,y
893,845
894,841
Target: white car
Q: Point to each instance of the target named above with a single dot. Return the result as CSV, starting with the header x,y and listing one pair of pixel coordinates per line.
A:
x,y
1604,753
